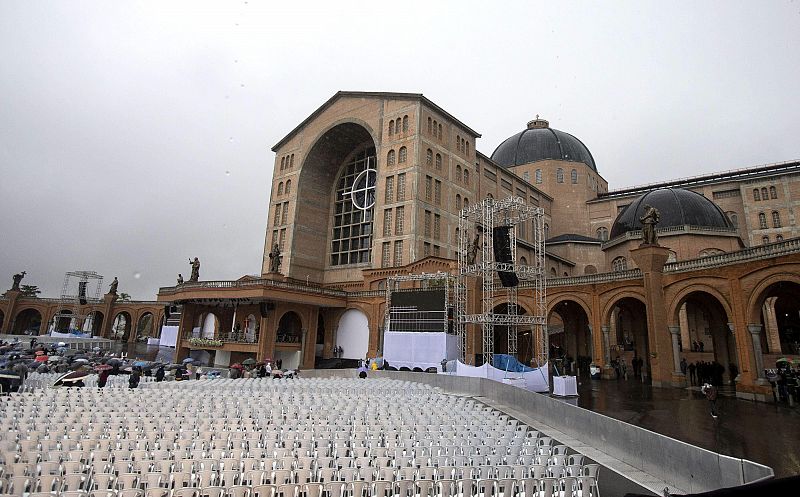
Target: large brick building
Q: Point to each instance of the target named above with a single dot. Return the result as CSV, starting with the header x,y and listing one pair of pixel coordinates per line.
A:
x,y
371,184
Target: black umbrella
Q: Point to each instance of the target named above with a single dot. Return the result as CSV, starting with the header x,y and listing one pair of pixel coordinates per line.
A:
x,y
8,375
71,377
114,362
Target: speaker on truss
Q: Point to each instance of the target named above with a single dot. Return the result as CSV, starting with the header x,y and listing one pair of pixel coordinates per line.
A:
x,y
82,292
501,242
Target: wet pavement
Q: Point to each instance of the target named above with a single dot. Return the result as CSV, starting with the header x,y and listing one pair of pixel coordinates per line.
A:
x,y
765,433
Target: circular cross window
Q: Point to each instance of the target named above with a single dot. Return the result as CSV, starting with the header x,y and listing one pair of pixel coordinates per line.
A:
x,y
363,193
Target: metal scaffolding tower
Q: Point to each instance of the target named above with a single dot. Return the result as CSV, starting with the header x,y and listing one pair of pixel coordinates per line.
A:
x,y
476,259
80,289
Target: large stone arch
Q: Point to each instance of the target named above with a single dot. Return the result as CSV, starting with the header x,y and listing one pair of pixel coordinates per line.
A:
x,y
121,326
317,179
612,299
555,299
352,333
756,297
25,320
145,329
773,312
570,336
628,333
688,288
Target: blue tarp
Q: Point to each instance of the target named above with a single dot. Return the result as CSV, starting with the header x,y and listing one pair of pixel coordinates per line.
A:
x,y
505,362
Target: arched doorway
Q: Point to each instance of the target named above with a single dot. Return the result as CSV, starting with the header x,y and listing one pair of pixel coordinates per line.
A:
x,y
121,326
209,326
93,325
780,318
570,337
628,337
319,346
289,340
27,322
352,335
525,339
706,337
330,171
144,327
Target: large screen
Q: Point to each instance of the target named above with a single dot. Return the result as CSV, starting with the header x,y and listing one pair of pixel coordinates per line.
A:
x,y
418,311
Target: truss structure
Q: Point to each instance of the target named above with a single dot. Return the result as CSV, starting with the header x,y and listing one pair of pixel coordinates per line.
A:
x,y
408,318
70,304
476,260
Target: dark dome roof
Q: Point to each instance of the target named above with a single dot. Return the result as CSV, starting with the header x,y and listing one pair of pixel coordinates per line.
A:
x,y
678,207
541,142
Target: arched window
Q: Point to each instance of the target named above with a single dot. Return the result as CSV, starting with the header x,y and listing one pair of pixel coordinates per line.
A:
x,y
466,202
778,238
291,161
773,192
764,194
390,158
574,176
467,151
288,186
590,269
466,176
280,188
403,155
435,126
405,124
440,131
523,261
458,202
458,143
438,162
764,240
776,219
429,157
756,195
619,264
351,241
560,175
546,231
733,218
391,127
458,172
538,176
762,221
553,272
602,233
430,126
283,162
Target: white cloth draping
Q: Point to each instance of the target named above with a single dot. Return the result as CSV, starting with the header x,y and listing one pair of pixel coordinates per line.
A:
x,y
535,380
422,350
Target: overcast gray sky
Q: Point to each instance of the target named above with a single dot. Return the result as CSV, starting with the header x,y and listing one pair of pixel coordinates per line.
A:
x,y
134,135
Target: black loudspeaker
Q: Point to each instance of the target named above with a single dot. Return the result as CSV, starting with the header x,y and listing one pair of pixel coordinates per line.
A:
x,y
501,242
82,292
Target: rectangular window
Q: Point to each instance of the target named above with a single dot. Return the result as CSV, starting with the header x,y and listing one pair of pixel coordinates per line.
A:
x,y
285,213
274,239
426,249
282,239
401,187
428,188
398,253
386,255
437,250
389,190
437,226
399,221
428,215
437,192
277,219
387,222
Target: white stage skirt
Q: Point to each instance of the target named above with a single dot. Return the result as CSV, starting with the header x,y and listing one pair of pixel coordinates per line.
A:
x,y
535,381
169,336
420,350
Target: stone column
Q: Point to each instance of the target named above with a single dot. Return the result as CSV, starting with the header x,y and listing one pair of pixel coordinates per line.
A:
x,y
676,353
755,333
771,322
606,346
686,338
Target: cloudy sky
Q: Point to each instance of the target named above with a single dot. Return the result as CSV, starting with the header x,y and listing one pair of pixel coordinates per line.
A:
x,y
134,135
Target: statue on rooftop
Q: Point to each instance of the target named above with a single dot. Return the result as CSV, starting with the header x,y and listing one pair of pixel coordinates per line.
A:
x,y
195,276
649,221
275,259
17,278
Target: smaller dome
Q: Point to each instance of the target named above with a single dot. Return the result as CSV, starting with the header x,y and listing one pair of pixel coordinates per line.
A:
x,y
541,142
678,207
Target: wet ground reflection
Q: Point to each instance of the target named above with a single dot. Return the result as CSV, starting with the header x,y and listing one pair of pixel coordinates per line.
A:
x,y
765,433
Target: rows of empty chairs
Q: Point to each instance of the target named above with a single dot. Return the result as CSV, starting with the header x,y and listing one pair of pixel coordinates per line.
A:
x,y
277,438
36,381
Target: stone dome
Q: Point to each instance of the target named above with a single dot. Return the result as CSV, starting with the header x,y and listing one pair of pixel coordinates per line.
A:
x,y
678,207
541,142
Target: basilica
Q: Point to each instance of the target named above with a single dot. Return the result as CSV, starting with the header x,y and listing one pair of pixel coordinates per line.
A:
x,y
370,185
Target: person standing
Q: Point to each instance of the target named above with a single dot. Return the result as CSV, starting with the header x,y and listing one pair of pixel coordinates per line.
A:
x,y
133,379
710,392
624,366
684,366
160,374
692,377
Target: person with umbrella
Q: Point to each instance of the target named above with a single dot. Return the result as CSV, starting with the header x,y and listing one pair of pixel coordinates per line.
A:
x,y
72,379
133,379
160,373
105,372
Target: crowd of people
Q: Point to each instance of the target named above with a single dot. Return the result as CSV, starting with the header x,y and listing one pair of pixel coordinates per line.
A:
x,y
701,372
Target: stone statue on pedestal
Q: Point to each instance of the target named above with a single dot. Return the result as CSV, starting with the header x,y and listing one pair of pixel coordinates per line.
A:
x,y
180,279
17,278
649,221
195,276
275,259
112,290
